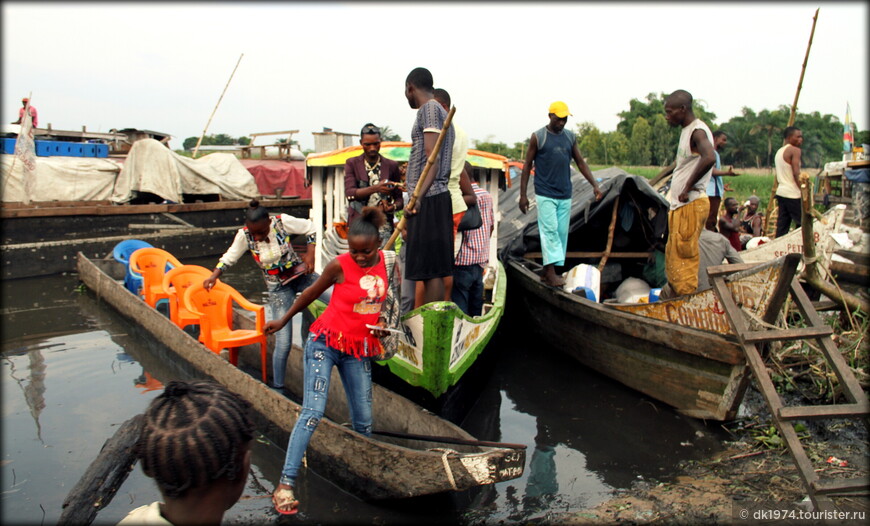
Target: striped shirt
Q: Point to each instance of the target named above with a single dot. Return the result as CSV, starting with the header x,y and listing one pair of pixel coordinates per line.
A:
x,y
430,118
475,243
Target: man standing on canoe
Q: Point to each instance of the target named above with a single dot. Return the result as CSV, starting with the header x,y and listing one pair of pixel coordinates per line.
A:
x,y
430,220
688,196
788,191
370,179
551,149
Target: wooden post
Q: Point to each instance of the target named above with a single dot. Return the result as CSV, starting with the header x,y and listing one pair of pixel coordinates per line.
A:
x,y
811,273
429,162
771,204
610,231
195,150
95,490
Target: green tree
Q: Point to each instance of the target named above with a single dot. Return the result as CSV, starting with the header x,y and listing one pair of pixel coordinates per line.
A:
x,y
616,147
592,147
639,153
739,149
663,141
583,128
769,124
189,143
387,134
244,141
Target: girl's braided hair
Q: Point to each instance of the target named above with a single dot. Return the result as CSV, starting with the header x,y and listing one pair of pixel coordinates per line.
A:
x,y
193,434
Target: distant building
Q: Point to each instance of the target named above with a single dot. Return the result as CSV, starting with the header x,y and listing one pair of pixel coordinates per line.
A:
x,y
329,140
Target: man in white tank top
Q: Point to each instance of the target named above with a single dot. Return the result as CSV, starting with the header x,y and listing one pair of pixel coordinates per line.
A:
x,y
688,196
788,168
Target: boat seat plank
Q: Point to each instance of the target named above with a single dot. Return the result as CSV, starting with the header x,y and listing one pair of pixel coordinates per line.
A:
x,y
539,255
787,334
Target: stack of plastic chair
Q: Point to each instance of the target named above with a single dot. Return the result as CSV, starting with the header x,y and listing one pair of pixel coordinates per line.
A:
x,y
121,253
175,282
150,263
215,310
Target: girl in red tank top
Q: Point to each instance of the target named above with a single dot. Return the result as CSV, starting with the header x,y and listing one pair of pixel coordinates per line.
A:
x,y
339,337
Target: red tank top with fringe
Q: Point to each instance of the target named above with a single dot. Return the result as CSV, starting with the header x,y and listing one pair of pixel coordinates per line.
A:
x,y
355,302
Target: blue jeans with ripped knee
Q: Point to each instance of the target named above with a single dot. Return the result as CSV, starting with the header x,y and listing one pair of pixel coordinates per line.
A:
x,y
356,376
281,298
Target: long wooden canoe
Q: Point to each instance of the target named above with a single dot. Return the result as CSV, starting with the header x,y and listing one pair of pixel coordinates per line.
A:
x,y
792,242
372,468
440,342
680,351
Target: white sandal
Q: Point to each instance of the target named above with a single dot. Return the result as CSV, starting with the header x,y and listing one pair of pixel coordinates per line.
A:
x,y
282,498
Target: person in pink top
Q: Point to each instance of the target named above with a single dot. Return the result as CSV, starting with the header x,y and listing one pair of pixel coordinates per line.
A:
x,y
341,337
25,103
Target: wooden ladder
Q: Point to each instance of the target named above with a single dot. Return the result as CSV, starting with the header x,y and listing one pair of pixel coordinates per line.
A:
x,y
819,491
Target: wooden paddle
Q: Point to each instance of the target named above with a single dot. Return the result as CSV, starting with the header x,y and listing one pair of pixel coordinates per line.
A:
x,y
423,177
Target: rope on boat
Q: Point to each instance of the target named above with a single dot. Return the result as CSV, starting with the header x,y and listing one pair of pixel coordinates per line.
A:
x,y
444,453
810,261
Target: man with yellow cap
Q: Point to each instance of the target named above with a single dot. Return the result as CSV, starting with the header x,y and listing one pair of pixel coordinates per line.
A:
x,y
551,149
25,103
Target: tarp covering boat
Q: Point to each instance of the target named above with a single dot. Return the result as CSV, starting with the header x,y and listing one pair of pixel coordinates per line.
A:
x,y
271,174
518,232
61,179
152,167
399,152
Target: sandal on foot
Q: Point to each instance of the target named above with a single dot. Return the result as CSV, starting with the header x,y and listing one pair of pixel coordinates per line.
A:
x,y
283,498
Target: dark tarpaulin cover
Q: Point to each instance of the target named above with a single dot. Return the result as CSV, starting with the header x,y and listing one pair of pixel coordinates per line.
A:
x,y
518,232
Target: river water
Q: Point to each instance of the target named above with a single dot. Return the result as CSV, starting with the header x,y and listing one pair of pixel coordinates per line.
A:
x,y
73,370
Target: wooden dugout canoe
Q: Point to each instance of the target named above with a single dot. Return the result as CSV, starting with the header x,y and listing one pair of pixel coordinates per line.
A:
x,y
371,468
680,351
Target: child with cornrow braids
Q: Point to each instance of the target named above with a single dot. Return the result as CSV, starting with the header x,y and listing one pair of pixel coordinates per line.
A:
x,y
196,445
345,336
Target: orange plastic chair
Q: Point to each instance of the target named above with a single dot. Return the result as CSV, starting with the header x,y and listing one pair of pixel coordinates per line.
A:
x,y
215,310
150,263
175,282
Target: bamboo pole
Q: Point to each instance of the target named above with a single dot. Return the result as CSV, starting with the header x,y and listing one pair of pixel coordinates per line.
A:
x,y
771,204
423,177
811,274
610,231
195,150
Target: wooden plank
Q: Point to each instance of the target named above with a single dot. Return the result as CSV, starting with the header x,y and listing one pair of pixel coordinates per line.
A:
x,y
783,285
851,388
786,334
830,487
819,412
539,255
155,226
99,209
96,488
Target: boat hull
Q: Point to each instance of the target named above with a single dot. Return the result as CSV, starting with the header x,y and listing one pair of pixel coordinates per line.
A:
x,y
367,467
680,352
441,342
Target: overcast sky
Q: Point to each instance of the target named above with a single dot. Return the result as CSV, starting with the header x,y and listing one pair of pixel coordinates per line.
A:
x,y
163,66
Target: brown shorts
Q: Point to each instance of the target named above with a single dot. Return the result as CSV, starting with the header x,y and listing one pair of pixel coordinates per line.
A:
x,y
430,239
